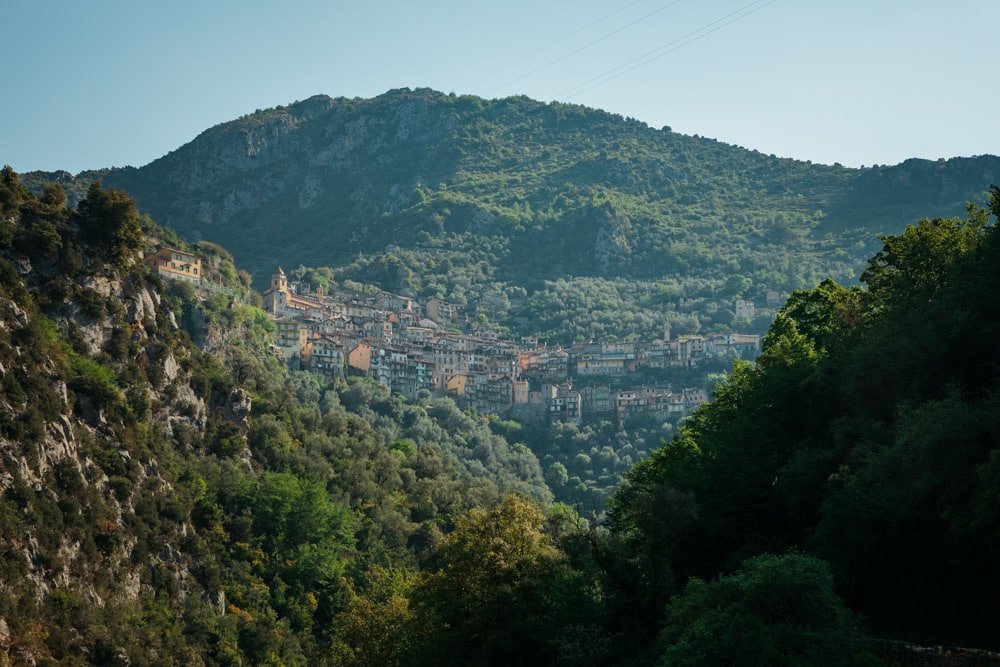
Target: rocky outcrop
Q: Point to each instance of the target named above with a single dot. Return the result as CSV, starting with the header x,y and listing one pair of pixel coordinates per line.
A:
x,y
237,406
71,457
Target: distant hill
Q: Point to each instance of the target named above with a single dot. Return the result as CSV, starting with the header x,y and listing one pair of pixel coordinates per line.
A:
x,y
532,213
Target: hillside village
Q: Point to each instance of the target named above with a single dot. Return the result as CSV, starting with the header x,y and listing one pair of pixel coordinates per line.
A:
x,y
411,347
435,348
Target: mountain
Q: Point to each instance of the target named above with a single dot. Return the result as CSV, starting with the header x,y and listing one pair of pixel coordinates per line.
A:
x,y
502,205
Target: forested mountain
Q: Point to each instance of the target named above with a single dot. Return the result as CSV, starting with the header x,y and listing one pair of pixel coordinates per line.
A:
x,y
550,219
171,494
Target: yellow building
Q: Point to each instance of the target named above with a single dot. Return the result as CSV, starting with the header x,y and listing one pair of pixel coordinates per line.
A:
x,y
456,385
360,358
520,392
292,338
175,265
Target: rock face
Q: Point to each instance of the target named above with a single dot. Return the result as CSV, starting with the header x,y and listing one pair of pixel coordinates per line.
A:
x,y
87,433
96,325
107,410
314,155
237,407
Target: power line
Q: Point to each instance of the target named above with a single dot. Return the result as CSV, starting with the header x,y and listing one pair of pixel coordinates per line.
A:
x,y
587,45
540,49
667,48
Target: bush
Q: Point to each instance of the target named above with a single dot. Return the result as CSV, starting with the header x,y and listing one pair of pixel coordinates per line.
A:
x,y
93,380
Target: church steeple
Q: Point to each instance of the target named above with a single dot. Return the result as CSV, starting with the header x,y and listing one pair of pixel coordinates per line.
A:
x,y
279,282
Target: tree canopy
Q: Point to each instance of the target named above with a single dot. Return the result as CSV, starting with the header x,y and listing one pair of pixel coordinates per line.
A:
x,y
867,434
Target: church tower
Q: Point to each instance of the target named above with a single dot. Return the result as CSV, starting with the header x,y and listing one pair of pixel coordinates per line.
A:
x,y
279,282
276,298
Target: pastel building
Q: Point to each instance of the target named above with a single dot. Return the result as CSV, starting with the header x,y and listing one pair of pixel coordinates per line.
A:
x,y
175,265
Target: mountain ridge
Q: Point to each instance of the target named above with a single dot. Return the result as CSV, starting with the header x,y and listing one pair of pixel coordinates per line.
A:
x,y
456,197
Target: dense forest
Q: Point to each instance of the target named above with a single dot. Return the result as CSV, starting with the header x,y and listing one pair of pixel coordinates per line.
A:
x,y
867,434
172,494
554,220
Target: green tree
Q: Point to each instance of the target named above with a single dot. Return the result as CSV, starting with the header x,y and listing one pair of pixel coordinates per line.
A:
x,y
736,285
54,197
918,260
12,192
372,630
485,594
109,221
824,315
290,512
774,610
556,476
12,195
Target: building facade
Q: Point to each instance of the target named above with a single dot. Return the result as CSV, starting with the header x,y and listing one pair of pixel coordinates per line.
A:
x,y
175,265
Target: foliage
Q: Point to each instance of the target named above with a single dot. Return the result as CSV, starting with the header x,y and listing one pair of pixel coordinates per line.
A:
x,y
109,221
91,378
865,434
584,464
774,610
488,590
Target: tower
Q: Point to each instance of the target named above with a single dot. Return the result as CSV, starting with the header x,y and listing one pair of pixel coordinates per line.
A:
x,y
276,297
279,282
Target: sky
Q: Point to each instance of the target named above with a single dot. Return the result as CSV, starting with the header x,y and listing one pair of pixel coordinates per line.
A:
x,y
112,83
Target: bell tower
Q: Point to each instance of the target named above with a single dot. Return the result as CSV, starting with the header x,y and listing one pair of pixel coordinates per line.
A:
x,y
276,297
279,282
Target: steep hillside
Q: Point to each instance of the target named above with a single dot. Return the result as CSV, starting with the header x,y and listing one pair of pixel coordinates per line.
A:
x,y
465,198
166,504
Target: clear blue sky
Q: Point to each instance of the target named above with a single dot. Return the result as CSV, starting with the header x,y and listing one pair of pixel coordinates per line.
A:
x,y
860,82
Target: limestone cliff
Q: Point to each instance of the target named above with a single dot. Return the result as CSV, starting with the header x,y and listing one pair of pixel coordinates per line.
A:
x,y
102,395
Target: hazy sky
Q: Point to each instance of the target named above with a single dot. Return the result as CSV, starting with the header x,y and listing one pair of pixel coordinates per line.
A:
x,y
122,82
